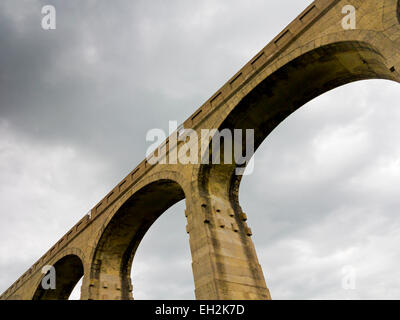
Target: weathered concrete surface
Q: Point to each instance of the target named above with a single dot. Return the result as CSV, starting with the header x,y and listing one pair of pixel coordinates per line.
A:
x,y
311,56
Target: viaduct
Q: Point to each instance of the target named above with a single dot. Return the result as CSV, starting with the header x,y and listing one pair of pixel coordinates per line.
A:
x,y
311,56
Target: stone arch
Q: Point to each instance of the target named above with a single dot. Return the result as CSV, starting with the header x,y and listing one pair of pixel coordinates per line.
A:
x,y
280,91
265,100
69,266
123,231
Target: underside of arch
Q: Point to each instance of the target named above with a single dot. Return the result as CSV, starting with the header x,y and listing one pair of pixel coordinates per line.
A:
x,y
69,270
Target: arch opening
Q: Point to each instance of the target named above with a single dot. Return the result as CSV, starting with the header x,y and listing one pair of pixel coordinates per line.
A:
x,y
161,267
69,270
76,292
113,256
329,196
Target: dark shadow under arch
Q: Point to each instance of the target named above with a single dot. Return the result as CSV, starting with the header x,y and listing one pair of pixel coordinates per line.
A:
x,y
398,10
69,270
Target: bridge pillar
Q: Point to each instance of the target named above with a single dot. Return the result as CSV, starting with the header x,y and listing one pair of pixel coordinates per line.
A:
x,y
225,264
107,287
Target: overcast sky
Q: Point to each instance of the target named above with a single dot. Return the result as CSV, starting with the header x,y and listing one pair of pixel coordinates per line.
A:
x,y
76,104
